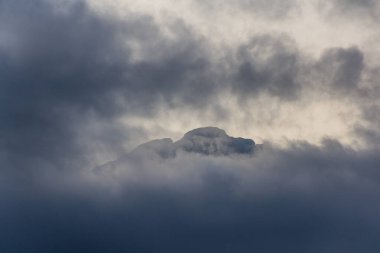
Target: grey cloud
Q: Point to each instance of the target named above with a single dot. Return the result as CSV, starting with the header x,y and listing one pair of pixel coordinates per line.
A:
x,y
272,9
369,134
274,65
344,73
341,69
270,64
303,198
368,129
355,10
63,71
346,4
50,76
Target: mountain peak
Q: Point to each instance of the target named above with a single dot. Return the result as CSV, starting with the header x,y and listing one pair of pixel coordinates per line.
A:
x,y
214,141
209,141
209,132
206,141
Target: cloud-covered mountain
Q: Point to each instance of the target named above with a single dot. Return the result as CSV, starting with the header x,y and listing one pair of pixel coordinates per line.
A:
x,y
83,81
205,141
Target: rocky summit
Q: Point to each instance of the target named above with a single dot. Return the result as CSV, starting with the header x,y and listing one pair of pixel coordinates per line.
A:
x,y
210,141
205,141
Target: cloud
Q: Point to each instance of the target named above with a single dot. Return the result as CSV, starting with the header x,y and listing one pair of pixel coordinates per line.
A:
x,y
341,69
51,75
269,64
272,9
303,198
71,76
368,128
367,10
64,70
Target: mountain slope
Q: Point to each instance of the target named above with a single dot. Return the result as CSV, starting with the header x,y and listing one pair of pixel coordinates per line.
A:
x,y
205,141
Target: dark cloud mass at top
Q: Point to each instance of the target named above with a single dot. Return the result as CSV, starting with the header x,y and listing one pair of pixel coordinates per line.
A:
x,y
72,74
271,64
61,69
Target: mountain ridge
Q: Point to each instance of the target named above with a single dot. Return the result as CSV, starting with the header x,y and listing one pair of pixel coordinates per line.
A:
x,y
211,141
204,141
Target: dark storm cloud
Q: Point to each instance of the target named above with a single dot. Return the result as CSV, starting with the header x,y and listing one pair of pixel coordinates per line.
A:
x,y
344,73
273,9
355,10
368,127
304,198
341,69
51,74
270,64
63,68
347,4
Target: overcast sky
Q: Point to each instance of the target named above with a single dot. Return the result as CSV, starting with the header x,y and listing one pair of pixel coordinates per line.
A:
x,y
83,83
